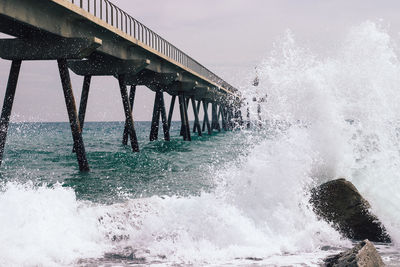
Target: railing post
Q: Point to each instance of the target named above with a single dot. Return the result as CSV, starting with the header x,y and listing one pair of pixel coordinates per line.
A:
x,y
122,21
112,15
106,12
134,28
126,25
130,26
126,22
116,18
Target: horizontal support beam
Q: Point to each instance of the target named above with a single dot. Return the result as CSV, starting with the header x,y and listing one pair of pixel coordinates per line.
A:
x,y
149,78
48,48
187,87
107,66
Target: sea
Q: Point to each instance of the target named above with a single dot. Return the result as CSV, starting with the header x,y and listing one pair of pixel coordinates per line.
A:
x,y
235,198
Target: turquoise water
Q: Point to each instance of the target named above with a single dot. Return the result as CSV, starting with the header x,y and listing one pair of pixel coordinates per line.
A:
x,y
41,153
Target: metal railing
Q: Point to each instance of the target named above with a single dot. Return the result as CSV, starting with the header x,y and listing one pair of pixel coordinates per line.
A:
x,y
116,17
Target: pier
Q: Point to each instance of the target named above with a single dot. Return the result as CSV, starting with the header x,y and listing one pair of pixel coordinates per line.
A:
x,y
96,38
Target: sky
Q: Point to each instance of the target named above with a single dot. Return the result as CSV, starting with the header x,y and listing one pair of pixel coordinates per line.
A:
x,y
230,37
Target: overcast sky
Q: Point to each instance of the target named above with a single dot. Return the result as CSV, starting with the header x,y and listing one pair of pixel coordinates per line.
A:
x,y
228,36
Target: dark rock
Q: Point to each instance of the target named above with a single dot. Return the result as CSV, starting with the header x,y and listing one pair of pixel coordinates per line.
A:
x,y
340,203
362,255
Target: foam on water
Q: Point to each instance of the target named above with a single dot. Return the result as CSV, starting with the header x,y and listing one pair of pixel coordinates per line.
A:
x,y
46,226
326,117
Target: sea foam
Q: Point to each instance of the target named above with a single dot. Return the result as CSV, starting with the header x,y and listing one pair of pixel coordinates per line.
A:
x,y
325,117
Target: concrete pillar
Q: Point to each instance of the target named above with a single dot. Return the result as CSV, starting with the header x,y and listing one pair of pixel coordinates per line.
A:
x,y
8,103
73,116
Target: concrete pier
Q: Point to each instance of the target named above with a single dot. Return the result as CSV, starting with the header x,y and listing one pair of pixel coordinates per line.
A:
x,y
100,39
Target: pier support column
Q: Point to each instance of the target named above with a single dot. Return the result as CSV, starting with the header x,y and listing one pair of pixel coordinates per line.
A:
x,y
171,111
238,117
131,102
233,118
186,107
228,118
223,115
231,122
259,114
8,103
184,117
248,117
206,118
155,121
83,102
218,117
159,110
73,116
218,107
164,118
196,117
214,118
213,115
128,113
205,106
226,114
198,110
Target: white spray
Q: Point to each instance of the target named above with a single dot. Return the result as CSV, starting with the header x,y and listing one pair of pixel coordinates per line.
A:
x,y
340,119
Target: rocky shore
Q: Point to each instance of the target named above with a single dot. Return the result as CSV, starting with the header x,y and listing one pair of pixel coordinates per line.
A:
x,y
363,254
339,203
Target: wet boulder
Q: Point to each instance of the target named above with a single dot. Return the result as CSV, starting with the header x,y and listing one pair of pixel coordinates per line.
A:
x,y
340,203
363,254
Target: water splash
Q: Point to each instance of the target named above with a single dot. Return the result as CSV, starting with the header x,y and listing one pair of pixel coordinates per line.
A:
x,y
348,106
46,226
325,117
